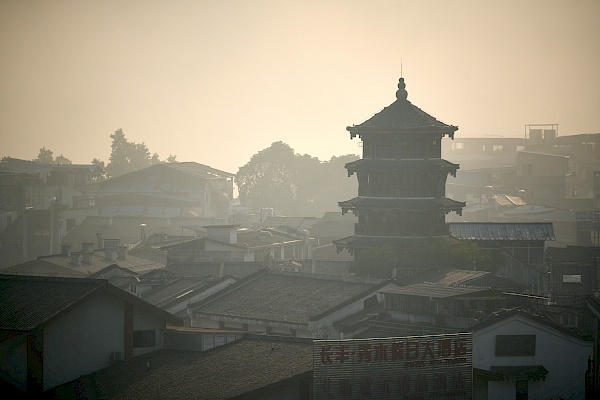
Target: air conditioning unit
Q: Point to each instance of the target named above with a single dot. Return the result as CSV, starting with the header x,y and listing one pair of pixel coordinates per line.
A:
x,y
117,356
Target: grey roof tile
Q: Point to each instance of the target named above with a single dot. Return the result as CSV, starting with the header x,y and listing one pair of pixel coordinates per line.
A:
x,y
225,372
286,297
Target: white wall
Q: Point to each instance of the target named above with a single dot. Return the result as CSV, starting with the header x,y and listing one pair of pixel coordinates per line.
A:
x,y
82,340
565,357
144,321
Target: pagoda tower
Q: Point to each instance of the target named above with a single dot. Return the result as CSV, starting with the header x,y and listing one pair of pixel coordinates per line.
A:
x,y
401,178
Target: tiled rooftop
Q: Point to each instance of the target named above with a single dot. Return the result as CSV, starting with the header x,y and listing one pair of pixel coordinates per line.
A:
x,y
167,292
434,290
224,372
27,302
286,297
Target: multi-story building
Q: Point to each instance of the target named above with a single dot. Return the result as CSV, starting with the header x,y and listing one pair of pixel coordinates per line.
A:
x,y
401,178
185,189
41,203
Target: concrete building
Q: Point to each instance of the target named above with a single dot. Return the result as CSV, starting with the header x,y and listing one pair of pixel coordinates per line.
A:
x,y
519,355
54,330
185,189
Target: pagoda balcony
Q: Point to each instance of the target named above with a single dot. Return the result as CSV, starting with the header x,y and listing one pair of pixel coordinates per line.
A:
x,y
400,230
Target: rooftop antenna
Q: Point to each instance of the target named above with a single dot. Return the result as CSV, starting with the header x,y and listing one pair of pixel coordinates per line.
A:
x,y
401,76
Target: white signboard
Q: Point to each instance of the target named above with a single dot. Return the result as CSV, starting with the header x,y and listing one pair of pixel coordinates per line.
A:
x,y
409,368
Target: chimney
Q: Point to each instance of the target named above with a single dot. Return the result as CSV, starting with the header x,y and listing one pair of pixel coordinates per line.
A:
x,y
87,257
99,240
110,253
76,259
143,233
65,250
122,252
87,246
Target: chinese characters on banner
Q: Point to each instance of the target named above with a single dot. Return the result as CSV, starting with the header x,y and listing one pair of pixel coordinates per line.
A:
x,y
410,368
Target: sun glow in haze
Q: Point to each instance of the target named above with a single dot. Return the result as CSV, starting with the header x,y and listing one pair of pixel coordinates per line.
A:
x,y
217,81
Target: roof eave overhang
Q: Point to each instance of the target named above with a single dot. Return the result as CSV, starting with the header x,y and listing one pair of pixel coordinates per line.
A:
x,y
361,130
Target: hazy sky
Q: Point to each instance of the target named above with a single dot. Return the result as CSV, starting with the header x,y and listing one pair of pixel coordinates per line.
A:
x,y
217,81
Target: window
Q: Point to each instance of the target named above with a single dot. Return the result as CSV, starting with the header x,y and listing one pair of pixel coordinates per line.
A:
x,y
515,345
497,148
457,146
146,338
568,320
520,148
571,278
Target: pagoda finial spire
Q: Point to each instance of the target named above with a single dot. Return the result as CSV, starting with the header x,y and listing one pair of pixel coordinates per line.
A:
x,y
401,93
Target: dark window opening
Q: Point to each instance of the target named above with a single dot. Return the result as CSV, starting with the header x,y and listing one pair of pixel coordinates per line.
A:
x,y
146,338
515,345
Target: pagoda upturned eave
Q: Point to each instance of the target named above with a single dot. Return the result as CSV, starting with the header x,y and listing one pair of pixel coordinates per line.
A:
x,y
373,164
356,242
402,117
394,203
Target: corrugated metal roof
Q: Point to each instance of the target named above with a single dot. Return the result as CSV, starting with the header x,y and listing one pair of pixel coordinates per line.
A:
x,y
502,231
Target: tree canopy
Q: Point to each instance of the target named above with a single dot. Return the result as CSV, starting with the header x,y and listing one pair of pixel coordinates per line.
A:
x,y
129,156
294,184
437,253
46,156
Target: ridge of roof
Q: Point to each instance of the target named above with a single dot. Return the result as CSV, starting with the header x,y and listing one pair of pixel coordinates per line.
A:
x,y
507,313
74,291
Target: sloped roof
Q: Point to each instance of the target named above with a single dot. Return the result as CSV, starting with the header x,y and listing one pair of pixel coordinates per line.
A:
x,y
291,222
125,228
502,230
170,290
516,312
189,168
216,269
132,263
27,302
112,270
240,368
284,297
462,277
39,267
434,290
401,115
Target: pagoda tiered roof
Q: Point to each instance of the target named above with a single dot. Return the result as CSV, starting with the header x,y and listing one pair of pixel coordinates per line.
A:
x,y
373,164
396,203
401,116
